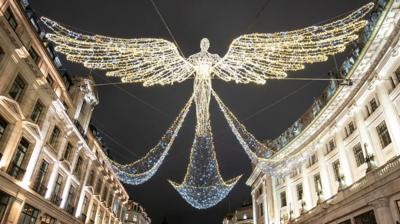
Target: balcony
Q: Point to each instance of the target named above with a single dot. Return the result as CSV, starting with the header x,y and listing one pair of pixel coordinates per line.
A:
x,y
70,208
16,172
39,188
56,200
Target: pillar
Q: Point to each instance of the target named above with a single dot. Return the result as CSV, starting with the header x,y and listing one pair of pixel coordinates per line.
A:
x,y
382,211
390,113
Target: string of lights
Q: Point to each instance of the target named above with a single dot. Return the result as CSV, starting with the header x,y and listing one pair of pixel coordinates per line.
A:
x,y
251,58
140,171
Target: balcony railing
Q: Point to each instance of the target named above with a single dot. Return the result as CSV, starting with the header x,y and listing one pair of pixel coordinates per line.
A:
x,y
16,172
56,200
39,188
70,209
343,72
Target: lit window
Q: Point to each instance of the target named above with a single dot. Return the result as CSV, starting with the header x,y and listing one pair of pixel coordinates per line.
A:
x,y
384,135
28,215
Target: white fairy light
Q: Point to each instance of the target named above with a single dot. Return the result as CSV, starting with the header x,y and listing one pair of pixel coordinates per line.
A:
x,y
143,169
251,58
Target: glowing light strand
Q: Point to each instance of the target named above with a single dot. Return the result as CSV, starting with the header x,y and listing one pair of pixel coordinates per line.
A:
x,y
143,169
259,153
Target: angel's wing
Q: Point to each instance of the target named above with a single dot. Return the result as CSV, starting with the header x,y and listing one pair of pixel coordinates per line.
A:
x,y
257,57
148,60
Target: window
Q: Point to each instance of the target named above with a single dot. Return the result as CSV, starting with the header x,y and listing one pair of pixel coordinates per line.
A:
x,y
366,218
57,191
17,88
50,80
54,136
261,209
295,172
4,201
384,135
9,16
28,215
374,105
19,159
34,55
283,199
68,152
85,206
318,184
70,204
90,180
330,146
93,213
397,73
350,128
336,170
98,186
39,185
37,111
78,167
313,159
358,155
104,194
299,190
3,126
47,219
346,222
2,54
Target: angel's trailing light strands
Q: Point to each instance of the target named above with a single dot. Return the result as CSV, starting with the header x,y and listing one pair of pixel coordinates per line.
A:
x,y
251,58
143,169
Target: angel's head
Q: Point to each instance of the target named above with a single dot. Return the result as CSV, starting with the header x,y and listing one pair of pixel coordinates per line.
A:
x,y
204,44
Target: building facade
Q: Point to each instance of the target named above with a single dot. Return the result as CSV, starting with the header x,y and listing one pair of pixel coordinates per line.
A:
x,y
52,166
135,214
353,135
242,215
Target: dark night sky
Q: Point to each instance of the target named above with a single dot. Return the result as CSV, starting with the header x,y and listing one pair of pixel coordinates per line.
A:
x,y
134,117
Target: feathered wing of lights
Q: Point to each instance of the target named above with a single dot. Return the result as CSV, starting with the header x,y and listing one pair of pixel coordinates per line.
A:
x,y
251,58
254,58
143,169
149,61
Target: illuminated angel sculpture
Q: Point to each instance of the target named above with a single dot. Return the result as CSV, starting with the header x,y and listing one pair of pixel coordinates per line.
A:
x,y
251,58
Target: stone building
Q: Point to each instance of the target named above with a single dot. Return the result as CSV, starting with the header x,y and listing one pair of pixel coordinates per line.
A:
x,y
242,215
135,214
52,167
353,135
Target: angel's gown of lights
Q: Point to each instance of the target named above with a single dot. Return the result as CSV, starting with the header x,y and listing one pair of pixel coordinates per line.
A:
x,y
203,186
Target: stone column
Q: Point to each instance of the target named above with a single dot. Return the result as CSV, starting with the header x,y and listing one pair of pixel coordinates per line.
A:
x,y
52,180
382,211
265,202
308,196
15,210
324,174
344,159
253,197
82,190
67,187
390,113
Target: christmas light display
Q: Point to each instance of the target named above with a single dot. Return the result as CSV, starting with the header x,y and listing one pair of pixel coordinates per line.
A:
x,y
143,169
251,58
